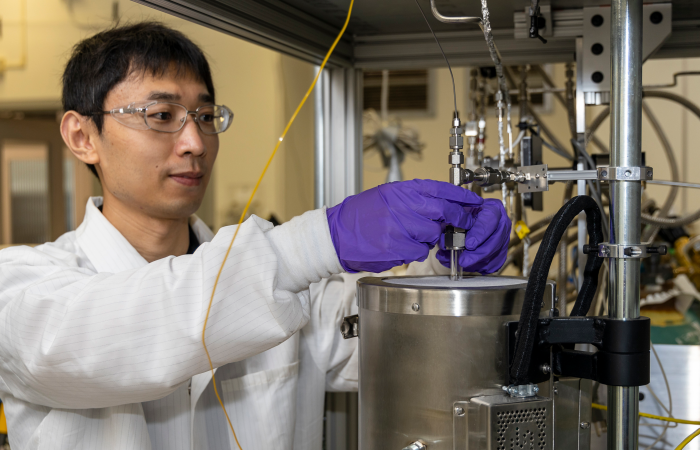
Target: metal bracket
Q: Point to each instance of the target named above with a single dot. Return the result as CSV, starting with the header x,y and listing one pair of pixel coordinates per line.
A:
x,y
626,251
532,178
606,173
350,327
622,358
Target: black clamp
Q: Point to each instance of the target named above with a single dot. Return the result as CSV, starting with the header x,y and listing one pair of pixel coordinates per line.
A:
x,y
623,347
624,251
536,22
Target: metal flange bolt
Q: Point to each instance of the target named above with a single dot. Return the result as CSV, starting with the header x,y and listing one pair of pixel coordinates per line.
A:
x,y
522,390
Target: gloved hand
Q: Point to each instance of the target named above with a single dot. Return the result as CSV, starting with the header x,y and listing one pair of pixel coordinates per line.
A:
x,y
486,243
397,223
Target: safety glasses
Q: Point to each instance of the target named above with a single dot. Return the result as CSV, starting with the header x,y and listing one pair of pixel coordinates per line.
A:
x,y
171,117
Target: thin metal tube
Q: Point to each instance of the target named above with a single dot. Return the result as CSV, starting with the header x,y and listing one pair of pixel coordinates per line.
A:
x,y
625,208
319,141
448,19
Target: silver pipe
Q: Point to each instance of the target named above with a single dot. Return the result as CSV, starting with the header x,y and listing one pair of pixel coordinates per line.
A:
x,y
319,140
537,91
448,19
625,208
675,183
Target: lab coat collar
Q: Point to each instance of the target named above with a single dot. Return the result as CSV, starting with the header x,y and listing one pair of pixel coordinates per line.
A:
x,y
108,250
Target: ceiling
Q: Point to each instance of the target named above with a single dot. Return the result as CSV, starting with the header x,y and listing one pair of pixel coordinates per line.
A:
x,y
392,34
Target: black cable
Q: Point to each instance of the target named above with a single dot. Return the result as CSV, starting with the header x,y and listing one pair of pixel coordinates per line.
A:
x,y
454,91
558,151
537,282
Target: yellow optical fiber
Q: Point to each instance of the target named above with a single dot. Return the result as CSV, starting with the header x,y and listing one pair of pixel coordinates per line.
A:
x,y
652,416
250,200
687,440
666,419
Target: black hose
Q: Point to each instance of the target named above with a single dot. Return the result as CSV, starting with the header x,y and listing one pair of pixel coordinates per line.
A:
x,y
537,281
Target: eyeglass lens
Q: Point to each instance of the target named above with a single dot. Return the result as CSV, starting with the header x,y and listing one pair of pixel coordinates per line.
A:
x,y
170,117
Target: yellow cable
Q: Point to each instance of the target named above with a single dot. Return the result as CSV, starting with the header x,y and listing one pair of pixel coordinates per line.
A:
x,y
666,419
688,439
250,200
652,416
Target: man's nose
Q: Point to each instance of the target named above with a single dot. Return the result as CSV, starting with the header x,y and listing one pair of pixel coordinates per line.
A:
x,y
190,139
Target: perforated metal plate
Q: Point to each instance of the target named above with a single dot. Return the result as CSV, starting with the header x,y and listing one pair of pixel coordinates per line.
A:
x,y
501,422
522,428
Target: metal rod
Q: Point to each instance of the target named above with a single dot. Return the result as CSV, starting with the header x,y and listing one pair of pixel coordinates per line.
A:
x,y
675,183
319,141
625,209
455,268
448,19
566,175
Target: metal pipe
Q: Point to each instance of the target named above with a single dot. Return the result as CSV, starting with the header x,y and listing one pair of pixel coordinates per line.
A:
x,y
319,141
625,196
448,19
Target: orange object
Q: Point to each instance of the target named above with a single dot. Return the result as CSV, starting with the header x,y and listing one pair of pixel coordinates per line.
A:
x,y
3,422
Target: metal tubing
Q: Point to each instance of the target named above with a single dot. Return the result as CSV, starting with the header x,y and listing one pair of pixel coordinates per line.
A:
x,y
625,208
448,19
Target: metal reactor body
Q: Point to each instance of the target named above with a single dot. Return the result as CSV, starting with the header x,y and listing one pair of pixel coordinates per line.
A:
x,y
434,369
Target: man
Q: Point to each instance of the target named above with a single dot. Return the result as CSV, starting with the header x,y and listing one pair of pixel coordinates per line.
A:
x,y
100,342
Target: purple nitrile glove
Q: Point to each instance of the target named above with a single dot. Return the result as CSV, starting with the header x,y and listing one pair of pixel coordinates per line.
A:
x,y
486,244
396,223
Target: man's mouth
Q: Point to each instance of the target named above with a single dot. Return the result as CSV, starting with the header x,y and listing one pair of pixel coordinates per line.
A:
x,y
188,178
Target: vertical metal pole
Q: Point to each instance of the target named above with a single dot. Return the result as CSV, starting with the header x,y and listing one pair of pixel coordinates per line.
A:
x,y
319,142
580,136
625,144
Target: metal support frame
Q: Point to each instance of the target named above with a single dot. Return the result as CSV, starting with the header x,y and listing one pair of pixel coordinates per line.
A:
x,y
338,174
625,209
338,120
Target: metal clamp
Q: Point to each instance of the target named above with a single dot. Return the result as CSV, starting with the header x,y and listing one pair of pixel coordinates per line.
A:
x,y
417,445
606,173
626,251
350,327
531,178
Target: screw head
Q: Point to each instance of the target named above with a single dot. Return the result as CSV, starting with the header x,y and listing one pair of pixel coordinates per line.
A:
x,y
585,425
650,173
604,173
536,389
415,307
459,411
628,173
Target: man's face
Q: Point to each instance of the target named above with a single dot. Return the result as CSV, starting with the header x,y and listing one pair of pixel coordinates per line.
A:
x,y
163,175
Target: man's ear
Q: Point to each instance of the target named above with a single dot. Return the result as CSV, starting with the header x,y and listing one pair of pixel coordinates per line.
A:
x,y
80,135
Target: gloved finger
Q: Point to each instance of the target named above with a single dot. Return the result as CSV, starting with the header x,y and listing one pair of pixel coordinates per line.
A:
x,y
488,220
489,257
447,191
423,227
445,211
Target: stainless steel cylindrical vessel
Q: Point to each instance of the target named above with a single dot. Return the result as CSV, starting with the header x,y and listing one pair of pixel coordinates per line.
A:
x,y
425,343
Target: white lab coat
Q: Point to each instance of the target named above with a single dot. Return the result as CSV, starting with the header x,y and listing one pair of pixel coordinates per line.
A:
x,y
101,350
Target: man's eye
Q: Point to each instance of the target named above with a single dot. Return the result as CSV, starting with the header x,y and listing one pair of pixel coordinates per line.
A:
x,y
161,116
208,118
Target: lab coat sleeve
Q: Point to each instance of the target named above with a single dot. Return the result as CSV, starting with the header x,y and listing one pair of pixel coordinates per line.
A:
x,y
70,338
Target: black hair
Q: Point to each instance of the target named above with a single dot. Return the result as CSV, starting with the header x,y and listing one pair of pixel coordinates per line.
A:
x,y
100,62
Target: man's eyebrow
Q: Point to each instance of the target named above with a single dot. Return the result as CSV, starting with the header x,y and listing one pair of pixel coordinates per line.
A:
x,y
161,95
206,98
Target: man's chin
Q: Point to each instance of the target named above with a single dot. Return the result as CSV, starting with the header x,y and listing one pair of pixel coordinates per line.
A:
x,y
174,209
